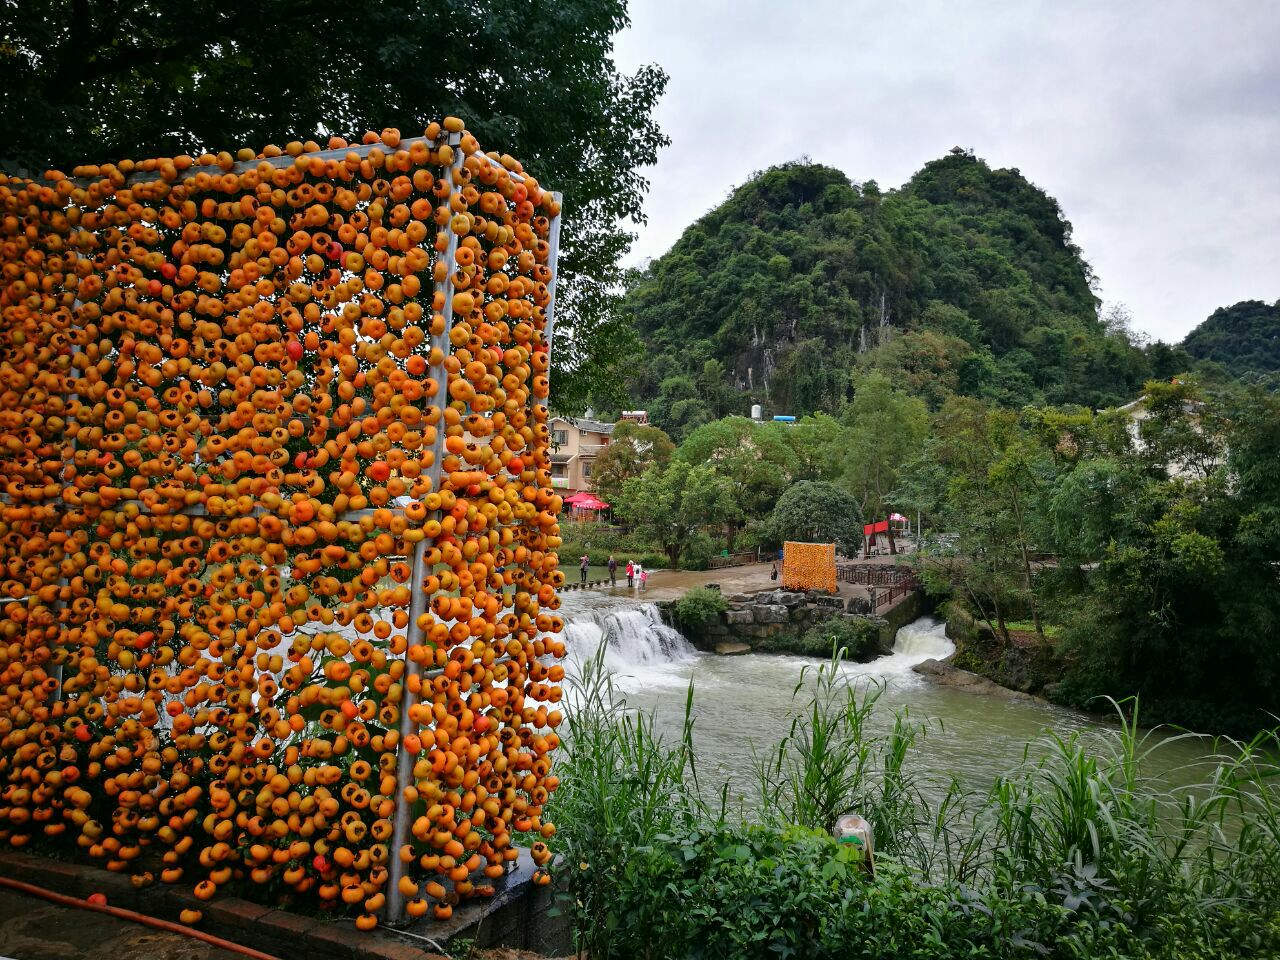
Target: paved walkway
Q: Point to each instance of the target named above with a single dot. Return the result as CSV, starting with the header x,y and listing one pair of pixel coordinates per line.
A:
x,y
751,578
35,929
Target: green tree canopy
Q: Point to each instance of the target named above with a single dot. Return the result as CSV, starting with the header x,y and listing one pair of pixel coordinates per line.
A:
x,y
632,449
965,280
673,504
817,512
99,80
885,429
1244,338
751,460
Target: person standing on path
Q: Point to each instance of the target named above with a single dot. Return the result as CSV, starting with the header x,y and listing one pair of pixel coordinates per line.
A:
x,y
644,580
639,572
582,566
631,574
613,570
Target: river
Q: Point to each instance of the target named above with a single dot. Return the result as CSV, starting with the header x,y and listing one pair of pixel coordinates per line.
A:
x,y
741,702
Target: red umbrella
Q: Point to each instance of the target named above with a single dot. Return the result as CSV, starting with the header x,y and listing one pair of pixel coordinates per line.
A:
x,y
586,501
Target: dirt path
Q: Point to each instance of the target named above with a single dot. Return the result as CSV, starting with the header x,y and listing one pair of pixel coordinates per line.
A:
x,y
34,929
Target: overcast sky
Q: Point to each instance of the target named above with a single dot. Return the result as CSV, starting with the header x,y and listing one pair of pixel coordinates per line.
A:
x,y
1156,125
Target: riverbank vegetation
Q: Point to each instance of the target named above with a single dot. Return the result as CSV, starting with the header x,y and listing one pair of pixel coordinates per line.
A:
x,y
1079,853
1141,547
1127,551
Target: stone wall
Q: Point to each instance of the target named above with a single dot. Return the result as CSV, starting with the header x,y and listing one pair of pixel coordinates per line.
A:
x,y
789,621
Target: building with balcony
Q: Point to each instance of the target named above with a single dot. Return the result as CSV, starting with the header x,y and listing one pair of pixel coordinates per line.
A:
x,y
575,444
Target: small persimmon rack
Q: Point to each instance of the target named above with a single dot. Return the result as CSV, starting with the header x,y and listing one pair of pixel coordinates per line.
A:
x,y
394,910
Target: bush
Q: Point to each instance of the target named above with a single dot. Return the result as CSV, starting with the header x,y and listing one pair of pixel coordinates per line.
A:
x,y
699,607
698,552
598,541
858,636
817,512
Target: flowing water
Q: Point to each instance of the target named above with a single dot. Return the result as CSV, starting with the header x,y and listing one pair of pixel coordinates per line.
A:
x,y
741,703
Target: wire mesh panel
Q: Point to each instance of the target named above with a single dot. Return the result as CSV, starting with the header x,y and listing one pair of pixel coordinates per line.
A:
x,y
809,566
278,538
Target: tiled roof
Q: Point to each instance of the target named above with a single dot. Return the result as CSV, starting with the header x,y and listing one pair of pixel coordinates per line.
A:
x,y
590,426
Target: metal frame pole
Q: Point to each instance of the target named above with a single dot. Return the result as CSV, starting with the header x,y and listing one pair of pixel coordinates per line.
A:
x,y
553,255
418,600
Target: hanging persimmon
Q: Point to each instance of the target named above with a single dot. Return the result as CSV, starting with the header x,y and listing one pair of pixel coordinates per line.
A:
x,y
240,397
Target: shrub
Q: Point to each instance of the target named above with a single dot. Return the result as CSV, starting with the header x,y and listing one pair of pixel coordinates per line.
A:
x,y
699,607
856,635
698,552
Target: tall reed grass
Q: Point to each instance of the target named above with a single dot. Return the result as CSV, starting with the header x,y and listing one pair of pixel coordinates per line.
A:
x,y
1080,852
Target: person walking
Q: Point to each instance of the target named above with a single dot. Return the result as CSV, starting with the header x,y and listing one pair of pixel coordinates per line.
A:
x,y
773,574
631,574
639,572
582,566
613,570
644,580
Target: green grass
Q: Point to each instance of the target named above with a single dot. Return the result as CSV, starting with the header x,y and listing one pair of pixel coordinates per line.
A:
x,y
1026,626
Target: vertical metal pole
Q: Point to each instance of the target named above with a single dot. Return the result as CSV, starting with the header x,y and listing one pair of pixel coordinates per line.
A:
x,y
553,254
418,598
549,326
64,582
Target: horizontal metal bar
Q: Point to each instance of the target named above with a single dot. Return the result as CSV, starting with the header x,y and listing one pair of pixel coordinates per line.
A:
x,y
284,160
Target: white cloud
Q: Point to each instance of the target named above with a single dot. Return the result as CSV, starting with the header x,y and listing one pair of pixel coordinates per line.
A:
x,y
1155,125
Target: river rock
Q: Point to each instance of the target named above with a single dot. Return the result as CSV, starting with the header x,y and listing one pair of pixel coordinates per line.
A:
x,y
733,616
740,598
788,598
946,675
730,648
825,599
769,613
816,612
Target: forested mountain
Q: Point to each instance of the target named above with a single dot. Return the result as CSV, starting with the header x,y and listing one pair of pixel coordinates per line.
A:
x,y
1244,338
965,280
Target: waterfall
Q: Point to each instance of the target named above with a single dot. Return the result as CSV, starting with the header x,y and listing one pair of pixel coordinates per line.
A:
x,y
637,638
920,640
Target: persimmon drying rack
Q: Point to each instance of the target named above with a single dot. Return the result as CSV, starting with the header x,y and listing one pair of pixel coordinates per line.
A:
x,y
394,913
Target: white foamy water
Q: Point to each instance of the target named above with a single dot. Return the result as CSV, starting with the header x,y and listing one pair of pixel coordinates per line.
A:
x,y
743,704
639,649
918,641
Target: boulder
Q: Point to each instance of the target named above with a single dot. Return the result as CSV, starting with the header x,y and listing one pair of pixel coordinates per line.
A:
x,y
730,648
735,616
946,675
769,613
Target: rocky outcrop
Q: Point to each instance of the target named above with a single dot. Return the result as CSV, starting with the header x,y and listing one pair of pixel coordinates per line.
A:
x,y
790,621
946,675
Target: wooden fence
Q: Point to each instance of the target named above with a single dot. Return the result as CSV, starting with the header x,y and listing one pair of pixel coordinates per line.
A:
x,y
734,560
